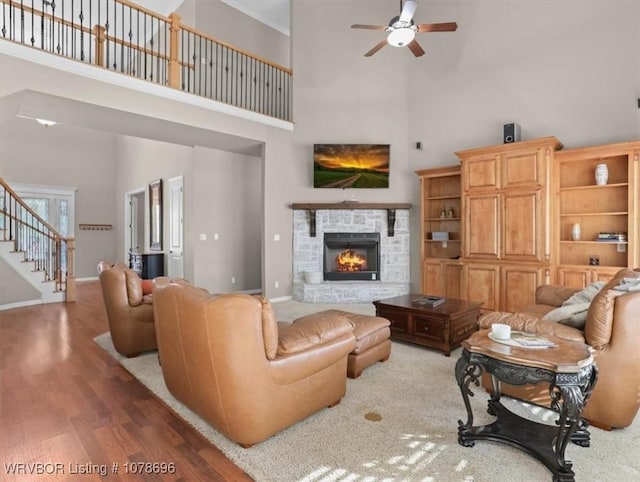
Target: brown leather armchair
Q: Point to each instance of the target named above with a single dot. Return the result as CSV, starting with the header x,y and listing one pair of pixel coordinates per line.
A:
x,y
612,330
129,312
227,359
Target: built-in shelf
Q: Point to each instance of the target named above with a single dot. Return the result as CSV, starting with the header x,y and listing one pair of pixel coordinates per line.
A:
x,y
593,186
593,242
573,215
350,205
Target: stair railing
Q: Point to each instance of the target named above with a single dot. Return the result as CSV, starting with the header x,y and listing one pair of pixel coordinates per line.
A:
x,y
124,37
51,253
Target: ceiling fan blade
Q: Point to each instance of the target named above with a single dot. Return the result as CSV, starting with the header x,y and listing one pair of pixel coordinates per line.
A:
x,y
376,48
369,27
415,48
438,27
408,9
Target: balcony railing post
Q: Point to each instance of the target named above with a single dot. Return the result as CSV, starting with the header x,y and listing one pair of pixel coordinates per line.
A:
x,y
99,35
57,262
70,281
174,49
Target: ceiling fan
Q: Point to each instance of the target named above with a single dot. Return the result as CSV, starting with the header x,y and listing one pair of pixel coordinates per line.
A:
x,y
402,30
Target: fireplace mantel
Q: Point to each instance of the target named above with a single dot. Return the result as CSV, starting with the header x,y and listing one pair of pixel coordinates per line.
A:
x,y
313,207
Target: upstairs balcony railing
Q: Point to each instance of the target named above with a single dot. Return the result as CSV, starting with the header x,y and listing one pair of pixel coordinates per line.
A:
x,y
124,37
51,253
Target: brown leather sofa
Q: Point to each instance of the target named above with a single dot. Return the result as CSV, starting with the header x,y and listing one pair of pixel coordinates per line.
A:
x,y
129,312
229,360
612,329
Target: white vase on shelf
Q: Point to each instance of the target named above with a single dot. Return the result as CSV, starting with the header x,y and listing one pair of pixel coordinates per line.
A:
x,y
602,174
575,232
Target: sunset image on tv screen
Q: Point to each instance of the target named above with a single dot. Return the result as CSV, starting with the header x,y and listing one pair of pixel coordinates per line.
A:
x,y
351,165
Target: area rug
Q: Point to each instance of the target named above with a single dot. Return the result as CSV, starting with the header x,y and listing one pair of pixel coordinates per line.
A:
x,y
398,422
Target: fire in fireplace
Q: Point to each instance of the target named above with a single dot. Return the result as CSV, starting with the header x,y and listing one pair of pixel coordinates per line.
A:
x,y
351,256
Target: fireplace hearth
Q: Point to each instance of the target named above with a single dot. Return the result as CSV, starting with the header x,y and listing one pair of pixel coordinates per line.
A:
x,y
351,256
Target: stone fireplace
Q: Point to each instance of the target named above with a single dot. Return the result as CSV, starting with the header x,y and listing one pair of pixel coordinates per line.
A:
x,y
387,271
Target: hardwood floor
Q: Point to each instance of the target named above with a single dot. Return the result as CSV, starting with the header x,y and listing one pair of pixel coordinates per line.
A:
x,y
68,408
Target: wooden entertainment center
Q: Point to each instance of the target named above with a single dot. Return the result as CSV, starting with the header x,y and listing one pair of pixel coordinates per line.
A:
x,y
508,212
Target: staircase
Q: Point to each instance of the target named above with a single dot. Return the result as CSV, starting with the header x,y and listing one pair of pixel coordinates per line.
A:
x,y
34,249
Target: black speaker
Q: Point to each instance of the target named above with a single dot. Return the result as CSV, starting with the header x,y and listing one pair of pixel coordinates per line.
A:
x,y
511,133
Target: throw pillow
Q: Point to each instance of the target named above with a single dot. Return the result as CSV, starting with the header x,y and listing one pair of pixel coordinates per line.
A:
x,y
134,287
629,284
147,286
585,295
573,315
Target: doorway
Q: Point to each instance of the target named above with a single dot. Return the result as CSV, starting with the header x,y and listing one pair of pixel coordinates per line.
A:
x,y
176,227
134,221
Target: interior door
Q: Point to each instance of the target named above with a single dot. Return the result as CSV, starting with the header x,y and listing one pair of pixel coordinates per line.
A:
x,y
176,234
134,222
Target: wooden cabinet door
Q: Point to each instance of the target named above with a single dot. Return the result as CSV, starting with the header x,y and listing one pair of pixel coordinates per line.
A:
x,y
574,276
518,286
603,274
441,278
581,277
432,278
452,280
482,221
481,173
524,168
481,284
522,226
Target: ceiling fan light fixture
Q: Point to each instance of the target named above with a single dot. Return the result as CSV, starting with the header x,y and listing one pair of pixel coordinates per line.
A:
x,y
401,37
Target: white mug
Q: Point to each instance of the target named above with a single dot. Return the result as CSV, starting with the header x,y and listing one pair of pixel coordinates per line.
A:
x,y
501,331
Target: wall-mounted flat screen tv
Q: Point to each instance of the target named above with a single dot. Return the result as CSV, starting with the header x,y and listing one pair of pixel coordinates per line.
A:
x,y
351,165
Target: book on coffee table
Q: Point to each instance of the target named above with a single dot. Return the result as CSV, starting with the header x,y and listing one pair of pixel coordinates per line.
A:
x,y
530,340
430,301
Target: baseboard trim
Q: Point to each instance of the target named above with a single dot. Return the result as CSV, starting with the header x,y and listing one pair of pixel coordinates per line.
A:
x,y
81,280
282,298
256,291
20,304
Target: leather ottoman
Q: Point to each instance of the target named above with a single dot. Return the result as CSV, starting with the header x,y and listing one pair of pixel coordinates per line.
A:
x,y
372,340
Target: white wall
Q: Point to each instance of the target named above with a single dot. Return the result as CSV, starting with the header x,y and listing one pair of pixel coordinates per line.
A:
x,y
13,288
562,68
227,194
228,24
342,97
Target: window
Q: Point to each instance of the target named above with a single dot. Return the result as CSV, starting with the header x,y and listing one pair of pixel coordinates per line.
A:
x,y
54,205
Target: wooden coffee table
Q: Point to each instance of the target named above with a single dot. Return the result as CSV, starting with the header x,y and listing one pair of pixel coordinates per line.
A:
x,y
570,370
442,327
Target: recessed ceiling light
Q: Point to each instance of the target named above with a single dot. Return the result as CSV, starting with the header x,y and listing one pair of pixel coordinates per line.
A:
x,y
45,122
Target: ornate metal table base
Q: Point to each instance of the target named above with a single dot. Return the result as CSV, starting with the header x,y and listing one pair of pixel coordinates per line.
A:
x,y
569,392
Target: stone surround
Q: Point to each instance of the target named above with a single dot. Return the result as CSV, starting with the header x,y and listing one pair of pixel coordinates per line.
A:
x,y
395,276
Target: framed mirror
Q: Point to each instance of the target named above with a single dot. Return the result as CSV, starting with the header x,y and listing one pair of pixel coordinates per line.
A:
x,y
155,210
